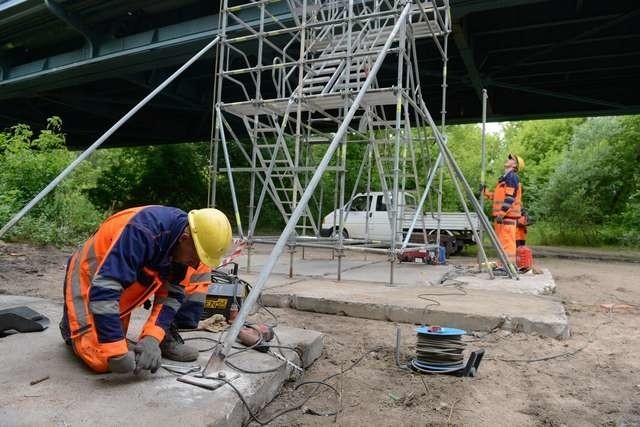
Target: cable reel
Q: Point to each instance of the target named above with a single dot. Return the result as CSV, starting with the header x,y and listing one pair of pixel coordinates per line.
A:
x,y
439,350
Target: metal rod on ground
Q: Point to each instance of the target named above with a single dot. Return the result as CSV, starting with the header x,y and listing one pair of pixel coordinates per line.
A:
x,y
443,113
218,355
53,184
296,157
482,166
449,162
396,157
423,198
342,153
458,173
227,162
217,88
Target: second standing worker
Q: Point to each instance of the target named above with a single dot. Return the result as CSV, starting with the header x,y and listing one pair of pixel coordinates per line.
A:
x,y
507,206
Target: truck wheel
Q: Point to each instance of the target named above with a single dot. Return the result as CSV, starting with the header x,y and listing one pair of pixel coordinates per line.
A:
x,y
345,233
459,247
450,246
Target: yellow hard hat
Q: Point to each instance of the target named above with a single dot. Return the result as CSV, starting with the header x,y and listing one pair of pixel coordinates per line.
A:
x,y
519,161
211,233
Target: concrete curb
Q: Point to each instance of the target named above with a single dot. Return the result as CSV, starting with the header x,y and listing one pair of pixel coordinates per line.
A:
x,y
542,316
566,253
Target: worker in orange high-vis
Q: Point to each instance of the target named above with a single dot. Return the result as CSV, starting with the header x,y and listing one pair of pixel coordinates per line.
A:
x,y
143,253
507,205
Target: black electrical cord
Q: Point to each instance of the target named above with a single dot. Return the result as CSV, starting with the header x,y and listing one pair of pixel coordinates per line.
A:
x,y
264,307
434,302
318,383
556,356
221,277
543,359
225,278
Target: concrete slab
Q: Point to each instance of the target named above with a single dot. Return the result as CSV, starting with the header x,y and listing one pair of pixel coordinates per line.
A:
x,y
72,395
464,298
469,309
527,283
375,269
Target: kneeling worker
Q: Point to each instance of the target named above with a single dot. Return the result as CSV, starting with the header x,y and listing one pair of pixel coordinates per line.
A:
x,y
138,254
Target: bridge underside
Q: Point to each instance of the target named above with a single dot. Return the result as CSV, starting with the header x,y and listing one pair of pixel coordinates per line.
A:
x,y
90,61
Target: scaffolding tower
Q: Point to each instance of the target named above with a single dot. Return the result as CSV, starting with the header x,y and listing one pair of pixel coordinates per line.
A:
x,y
299,81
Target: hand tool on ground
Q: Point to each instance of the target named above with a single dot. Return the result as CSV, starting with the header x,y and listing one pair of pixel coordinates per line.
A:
x,y
287,361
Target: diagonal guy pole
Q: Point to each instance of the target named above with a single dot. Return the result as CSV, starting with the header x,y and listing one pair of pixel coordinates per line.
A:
x,y
86,153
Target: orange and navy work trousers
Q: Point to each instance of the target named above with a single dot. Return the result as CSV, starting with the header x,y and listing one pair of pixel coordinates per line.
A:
x,y
506,233
521,235
87,347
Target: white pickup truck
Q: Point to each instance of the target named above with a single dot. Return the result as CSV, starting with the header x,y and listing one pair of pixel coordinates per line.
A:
x,y
366,217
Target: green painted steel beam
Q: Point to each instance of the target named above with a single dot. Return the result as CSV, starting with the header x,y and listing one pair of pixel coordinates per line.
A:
x,y
465,50
560,95
545,24
460,8
564,114
75,22
185,37
615,38
197,30
564,43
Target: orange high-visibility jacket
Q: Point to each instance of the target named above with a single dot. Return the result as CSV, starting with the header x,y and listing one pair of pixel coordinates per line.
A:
x,y
507,197
196,284
127,261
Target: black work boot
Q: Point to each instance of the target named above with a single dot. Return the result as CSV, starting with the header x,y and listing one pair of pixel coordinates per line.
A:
x,y
174,348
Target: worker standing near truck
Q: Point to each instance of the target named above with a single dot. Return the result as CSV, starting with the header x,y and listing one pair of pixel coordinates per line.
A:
x,y
138,254
507,206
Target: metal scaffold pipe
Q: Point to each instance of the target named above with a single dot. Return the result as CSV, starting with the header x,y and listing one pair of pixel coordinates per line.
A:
x,y
482,164
86,153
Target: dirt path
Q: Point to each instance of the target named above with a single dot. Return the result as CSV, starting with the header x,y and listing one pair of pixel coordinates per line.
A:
x,y
598,385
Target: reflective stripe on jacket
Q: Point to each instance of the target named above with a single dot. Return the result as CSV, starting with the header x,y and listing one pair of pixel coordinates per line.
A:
x,y
196,284
127,261
507,196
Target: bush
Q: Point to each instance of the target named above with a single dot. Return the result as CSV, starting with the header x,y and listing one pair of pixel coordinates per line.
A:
x,y
30,162
553,234
172,174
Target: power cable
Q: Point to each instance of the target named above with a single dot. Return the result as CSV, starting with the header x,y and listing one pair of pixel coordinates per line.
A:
x,y
221,277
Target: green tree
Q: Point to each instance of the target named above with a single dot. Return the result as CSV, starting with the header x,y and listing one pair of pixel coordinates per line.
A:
x,y
29,163
465,143
172,174
542,144
598,175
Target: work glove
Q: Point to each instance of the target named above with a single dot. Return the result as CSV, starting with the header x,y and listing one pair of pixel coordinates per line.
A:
x,y
147,355
122,364
482,188
499,219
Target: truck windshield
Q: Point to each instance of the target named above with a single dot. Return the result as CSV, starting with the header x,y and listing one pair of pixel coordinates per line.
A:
x,y
360,203
382,206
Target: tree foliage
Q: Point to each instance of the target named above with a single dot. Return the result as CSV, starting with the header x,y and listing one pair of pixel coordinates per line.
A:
x,y
29,163
581,181
172,174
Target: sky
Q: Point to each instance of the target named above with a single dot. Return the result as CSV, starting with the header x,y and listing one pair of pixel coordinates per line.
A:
x,y
495,128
